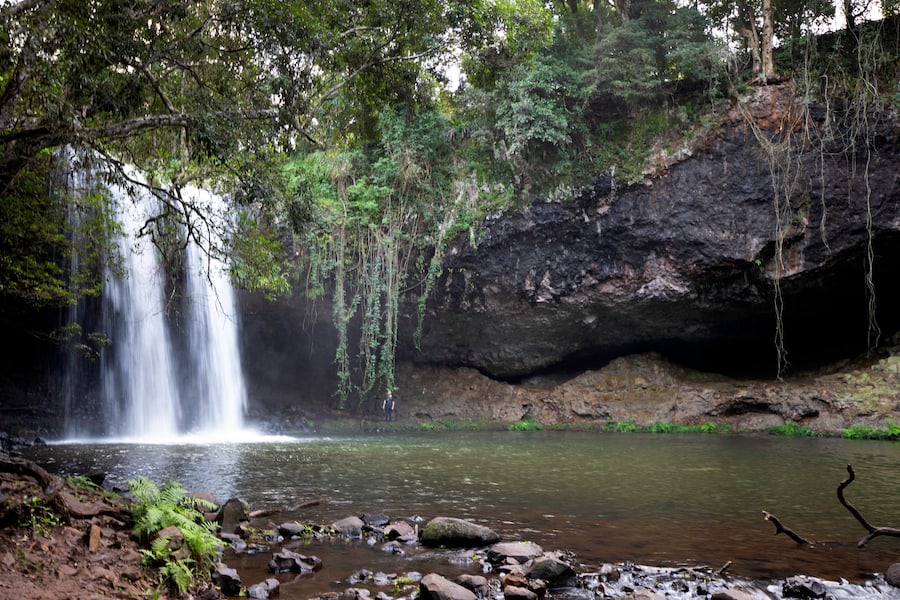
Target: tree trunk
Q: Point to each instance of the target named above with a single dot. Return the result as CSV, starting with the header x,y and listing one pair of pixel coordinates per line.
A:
x,y
768,35
747,30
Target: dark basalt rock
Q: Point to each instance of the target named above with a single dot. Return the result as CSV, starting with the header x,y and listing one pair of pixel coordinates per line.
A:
x,y
683,263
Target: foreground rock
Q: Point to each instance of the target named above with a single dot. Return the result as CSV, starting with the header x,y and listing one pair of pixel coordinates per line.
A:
x,y
435,587
449,531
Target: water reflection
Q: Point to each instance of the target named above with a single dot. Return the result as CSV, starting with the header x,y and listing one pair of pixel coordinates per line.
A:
x,y
652,499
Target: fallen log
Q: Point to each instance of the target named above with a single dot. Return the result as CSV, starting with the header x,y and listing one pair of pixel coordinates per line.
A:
x,y
872,529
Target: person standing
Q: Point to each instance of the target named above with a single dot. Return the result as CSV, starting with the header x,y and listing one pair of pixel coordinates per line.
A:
x,y
388,406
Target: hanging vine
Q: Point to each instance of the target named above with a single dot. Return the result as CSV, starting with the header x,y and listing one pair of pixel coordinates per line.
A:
x,y
797,134
376,215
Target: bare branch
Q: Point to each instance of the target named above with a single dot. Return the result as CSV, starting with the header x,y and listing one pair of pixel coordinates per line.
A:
x,y
779,528
872,529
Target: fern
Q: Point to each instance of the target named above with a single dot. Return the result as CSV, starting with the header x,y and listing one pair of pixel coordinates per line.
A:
x,y
155,509
180,573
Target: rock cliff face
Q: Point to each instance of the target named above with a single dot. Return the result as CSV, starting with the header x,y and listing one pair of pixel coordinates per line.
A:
x,y
685,263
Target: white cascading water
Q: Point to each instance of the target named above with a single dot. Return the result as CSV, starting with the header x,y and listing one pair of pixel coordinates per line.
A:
x,y
218,382
150,390
139,388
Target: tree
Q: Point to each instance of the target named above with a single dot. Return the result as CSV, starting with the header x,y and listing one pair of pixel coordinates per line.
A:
x,y
200,90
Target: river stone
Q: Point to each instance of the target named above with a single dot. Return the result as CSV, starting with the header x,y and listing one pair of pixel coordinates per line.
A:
x,y
549,568
401,530
732,595
350,527
232,513
476,583
521,552
511,592
291,529
287,561
435,587
378,520
448,531
803,587
264,590
227,579
892,575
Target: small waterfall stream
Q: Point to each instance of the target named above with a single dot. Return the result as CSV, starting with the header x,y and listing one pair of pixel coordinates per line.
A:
x,y
161,378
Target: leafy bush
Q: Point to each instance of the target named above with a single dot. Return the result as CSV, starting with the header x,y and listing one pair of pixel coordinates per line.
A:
x,y
623,427
525,424
861,432
791,429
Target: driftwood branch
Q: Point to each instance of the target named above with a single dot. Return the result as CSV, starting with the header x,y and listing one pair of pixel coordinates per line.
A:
x,y
872,529
779,528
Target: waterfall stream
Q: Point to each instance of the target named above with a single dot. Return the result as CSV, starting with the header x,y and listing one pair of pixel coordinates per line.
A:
x,y
171,369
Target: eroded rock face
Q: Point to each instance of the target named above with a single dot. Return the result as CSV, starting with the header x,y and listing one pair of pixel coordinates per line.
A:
x,y
683,263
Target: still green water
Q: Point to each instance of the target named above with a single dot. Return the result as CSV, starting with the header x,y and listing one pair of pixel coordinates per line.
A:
x,y
676,499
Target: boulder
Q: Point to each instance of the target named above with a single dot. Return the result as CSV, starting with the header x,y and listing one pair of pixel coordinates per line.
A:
x,y
349,527
521,552
511,592
291,529
227,579
803,587
449,531
476,583
435,587
287,561
549,568
892,575
264,590
401,531
232,513
379,520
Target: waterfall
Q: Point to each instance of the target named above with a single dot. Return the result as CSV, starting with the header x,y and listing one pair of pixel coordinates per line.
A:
x,y
215,359
172,368
138,382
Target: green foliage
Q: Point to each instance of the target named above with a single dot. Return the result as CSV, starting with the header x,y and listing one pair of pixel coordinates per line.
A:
x,y
38,516
257,263
80,481
43,231
861,432
660,427
379,217
450,425
630,426
627,426
401,582
155,509
525,424
791,429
